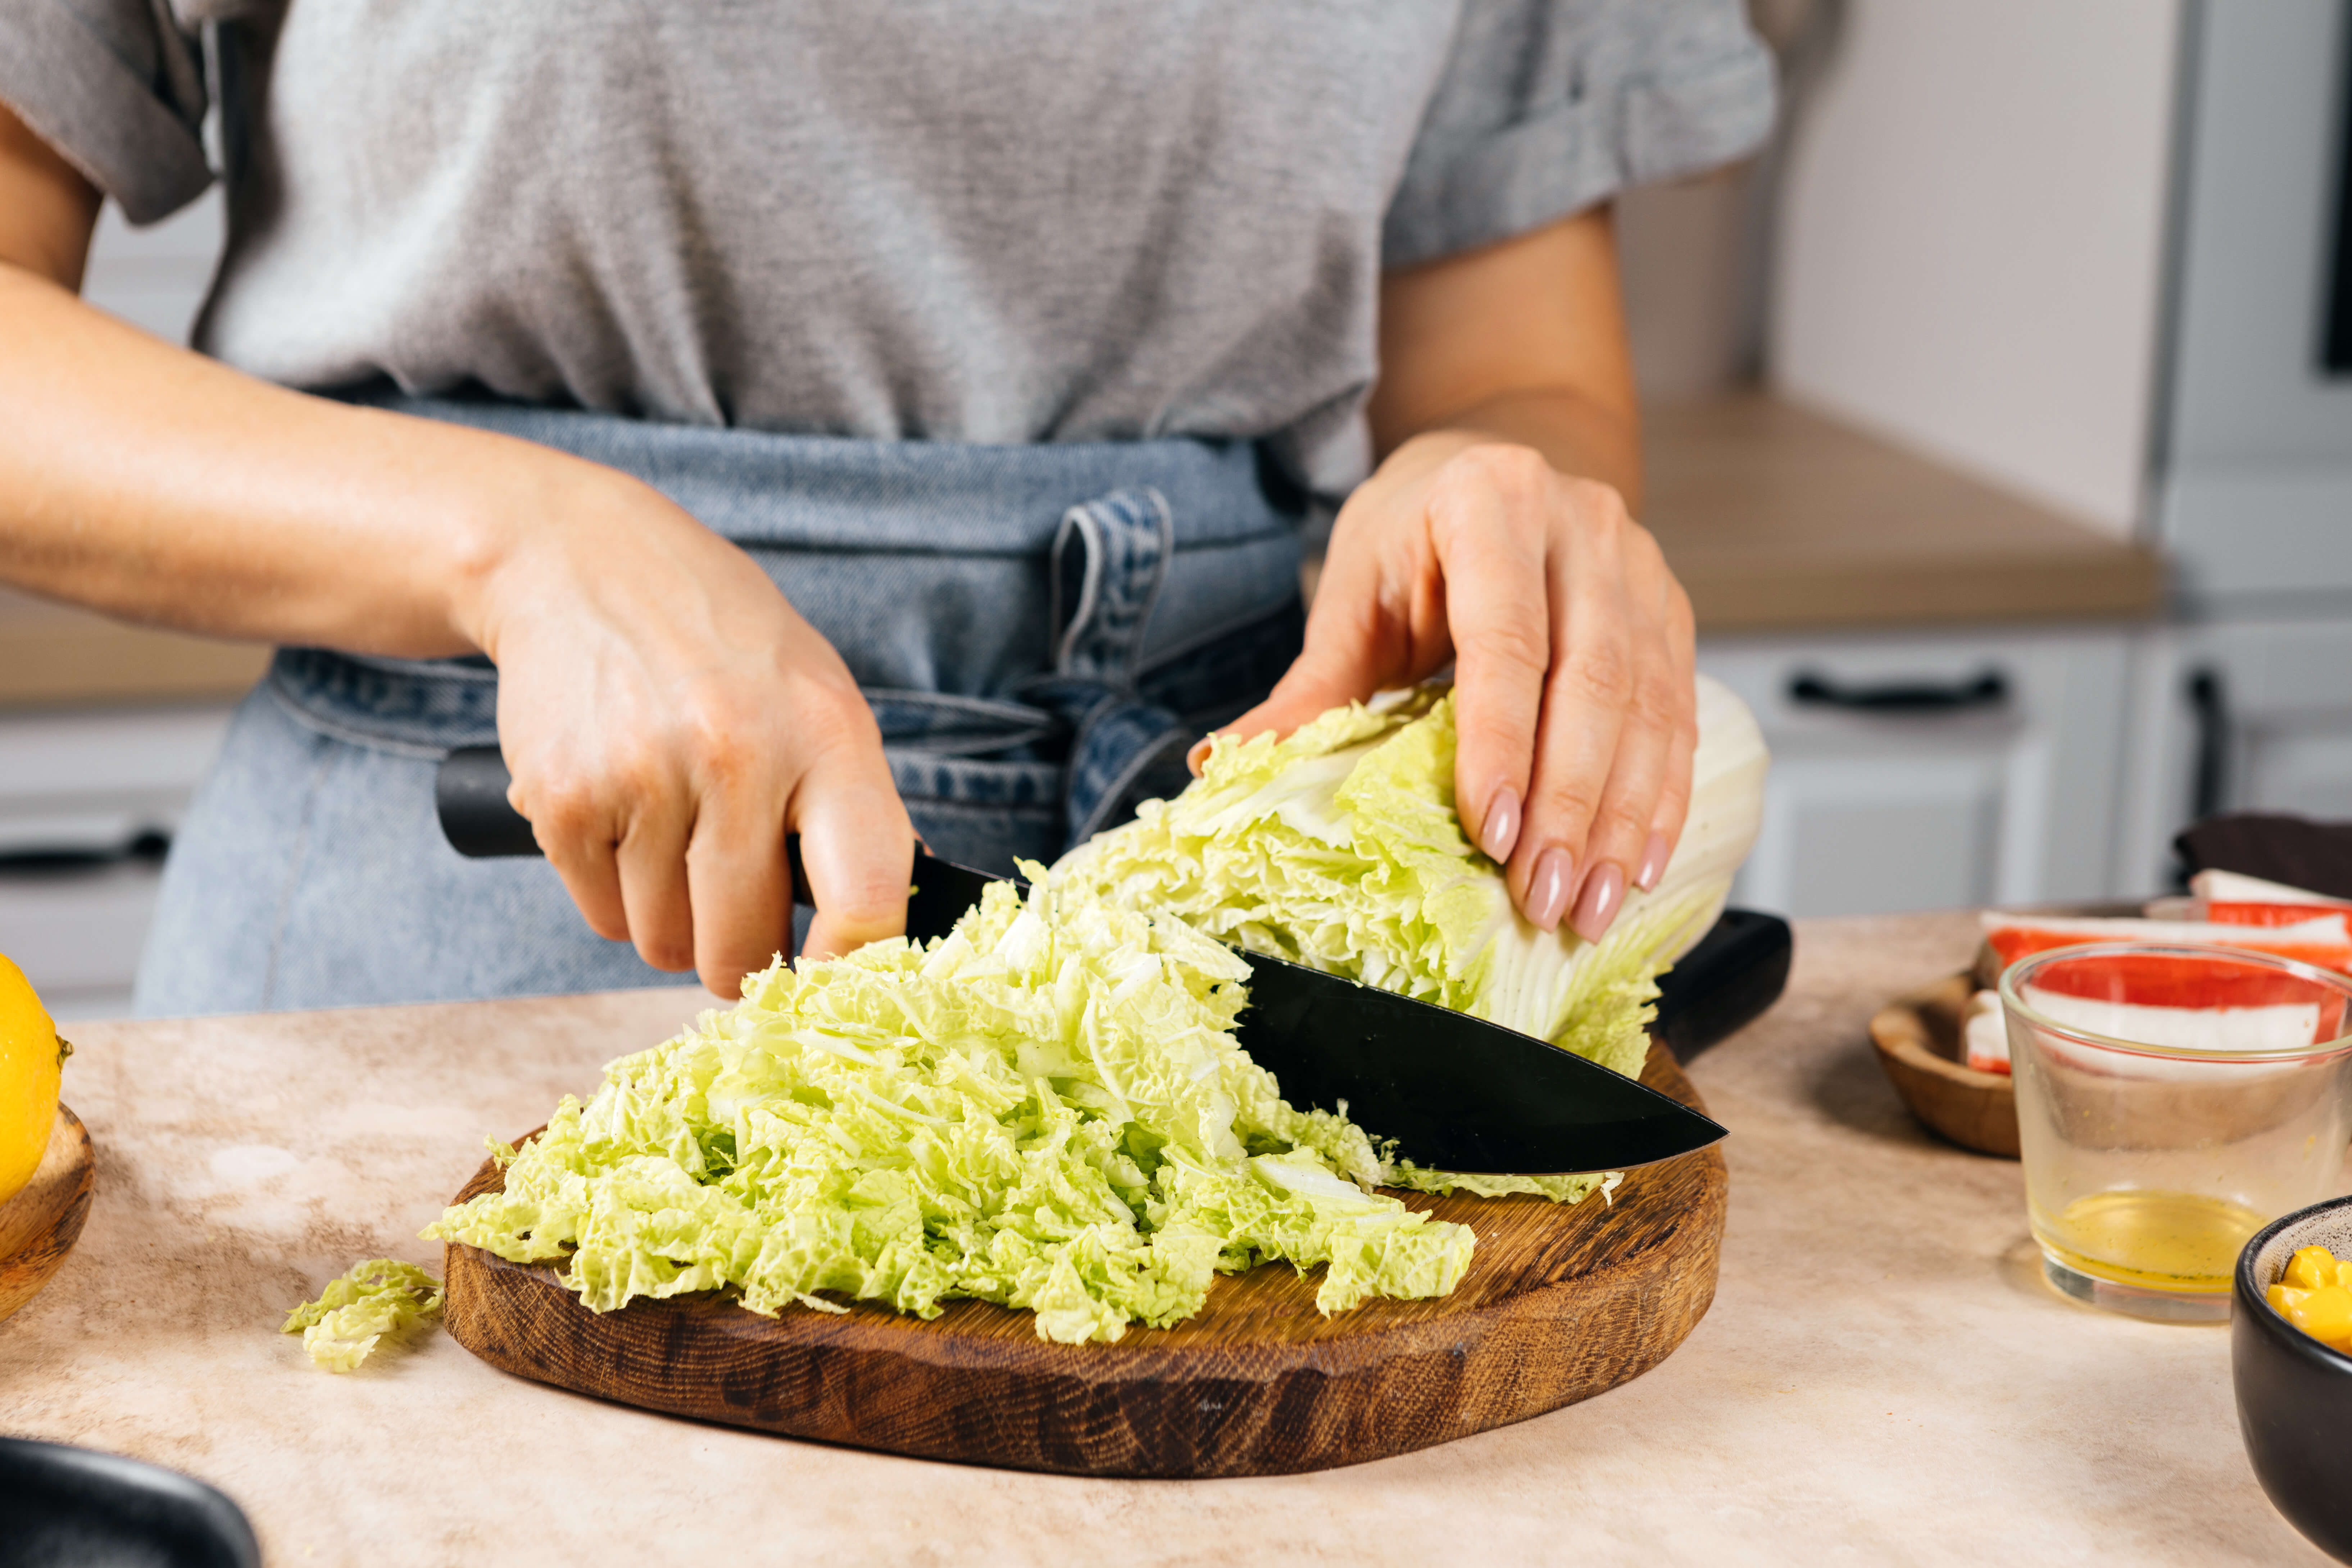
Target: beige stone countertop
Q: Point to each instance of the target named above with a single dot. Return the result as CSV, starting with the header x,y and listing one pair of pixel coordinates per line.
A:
x,y
1883,1378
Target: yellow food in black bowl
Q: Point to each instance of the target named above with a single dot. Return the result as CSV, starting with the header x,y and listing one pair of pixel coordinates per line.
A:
x,y
2295,1384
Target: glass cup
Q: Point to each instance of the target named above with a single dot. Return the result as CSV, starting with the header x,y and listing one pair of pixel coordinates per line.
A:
x,y
2171,1100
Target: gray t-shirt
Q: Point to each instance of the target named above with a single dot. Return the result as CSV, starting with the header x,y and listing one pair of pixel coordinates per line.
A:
x,y
971,220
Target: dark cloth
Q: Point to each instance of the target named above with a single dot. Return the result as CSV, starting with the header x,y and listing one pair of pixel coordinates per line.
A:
x,y
2314,856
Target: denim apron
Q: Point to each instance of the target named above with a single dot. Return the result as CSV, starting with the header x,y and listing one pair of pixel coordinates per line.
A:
x,y
1040,631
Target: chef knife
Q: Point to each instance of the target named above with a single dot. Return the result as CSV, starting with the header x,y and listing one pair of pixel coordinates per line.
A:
x,y
1457,1093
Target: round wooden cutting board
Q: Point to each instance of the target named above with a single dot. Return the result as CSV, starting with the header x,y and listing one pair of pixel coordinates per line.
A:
x,y
1559,1304
39,1225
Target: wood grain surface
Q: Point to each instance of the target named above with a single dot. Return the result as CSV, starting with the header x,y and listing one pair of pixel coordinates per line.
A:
x,y
39,1225
1918,1041
1777,519
1559,1304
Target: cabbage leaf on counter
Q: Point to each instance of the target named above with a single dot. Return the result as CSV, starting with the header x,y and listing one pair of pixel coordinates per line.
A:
x,y
343,1326
1044,1109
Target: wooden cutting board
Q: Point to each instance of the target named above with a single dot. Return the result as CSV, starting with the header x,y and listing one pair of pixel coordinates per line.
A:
x,y
40,1223
1559,1304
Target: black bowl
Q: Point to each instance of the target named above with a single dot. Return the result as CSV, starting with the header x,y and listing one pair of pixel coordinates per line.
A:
x,y
62,1506
2294,1394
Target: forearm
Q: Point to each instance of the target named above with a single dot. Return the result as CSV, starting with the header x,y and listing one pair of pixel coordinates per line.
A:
x,y
151,483
1578,435
1524,342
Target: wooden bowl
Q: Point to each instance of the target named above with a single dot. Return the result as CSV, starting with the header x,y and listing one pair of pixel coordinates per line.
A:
x,y
39,1225
1918,1041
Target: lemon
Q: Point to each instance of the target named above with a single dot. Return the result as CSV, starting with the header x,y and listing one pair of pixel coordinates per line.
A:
x,y
30,1055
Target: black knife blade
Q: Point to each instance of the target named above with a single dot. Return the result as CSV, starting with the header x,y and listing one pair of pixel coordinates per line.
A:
x,y
1454,1092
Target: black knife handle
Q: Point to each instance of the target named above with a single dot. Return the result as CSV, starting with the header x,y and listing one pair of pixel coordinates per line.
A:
x,y
469,792
1725,984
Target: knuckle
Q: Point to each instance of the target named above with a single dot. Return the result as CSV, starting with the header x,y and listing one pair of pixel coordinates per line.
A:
x,y
636,767
1599,503
870,895
1646,559
1656,705
1514,647
1503,470
564,810
827,718
1622,821
1511,465
717,730
1601,675
1681,619
1572,805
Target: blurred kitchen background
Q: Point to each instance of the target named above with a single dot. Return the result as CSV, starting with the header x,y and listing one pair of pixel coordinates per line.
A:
x,y
1999,424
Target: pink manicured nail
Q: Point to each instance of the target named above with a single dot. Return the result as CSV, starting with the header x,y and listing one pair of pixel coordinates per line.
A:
x,y
1604,893
1548,889
1502,825
1653,863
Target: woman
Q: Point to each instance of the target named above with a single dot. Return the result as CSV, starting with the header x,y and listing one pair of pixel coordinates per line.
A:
x,y
793,417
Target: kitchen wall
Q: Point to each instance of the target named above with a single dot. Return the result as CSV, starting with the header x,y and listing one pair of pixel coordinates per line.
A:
x,y
1972,238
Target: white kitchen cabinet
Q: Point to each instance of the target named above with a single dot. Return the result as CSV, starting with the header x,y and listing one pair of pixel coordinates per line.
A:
x,y
76,790
1919,771
2234,715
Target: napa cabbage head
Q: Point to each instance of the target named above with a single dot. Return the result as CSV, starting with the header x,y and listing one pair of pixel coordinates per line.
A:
x,y
1340,846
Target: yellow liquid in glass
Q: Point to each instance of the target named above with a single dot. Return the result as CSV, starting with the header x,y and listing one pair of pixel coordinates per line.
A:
x,y
2157,1241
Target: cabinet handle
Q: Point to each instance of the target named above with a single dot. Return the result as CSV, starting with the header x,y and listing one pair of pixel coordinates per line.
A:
x,y
150,845
2208,785
1990,689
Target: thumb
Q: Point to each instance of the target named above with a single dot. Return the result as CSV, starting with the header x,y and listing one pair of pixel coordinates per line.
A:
x,y
1312,687
857,847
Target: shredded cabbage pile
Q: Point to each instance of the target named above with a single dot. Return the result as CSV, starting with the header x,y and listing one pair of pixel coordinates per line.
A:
x,y
1340,847
380,1297
1046,1109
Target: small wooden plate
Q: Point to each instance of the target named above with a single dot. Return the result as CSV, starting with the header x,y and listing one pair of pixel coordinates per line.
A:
x,y
39,1225
1918,1041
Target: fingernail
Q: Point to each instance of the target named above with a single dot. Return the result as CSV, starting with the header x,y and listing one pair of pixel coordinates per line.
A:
x,y
1548,889
1604,893
1197,755
1653,863
1502,825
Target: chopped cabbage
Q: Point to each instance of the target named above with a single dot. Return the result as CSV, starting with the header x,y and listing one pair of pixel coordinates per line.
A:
x,y
1044,1109
1340,847
380,1297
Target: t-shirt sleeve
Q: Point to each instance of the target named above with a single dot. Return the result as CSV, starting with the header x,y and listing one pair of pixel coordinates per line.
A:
x,y
1547,107
117,87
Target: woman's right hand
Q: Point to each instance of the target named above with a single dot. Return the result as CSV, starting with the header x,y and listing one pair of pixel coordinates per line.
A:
x,y
665,714
667,718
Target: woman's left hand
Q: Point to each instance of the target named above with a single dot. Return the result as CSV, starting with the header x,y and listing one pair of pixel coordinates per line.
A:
x,y
1571,644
